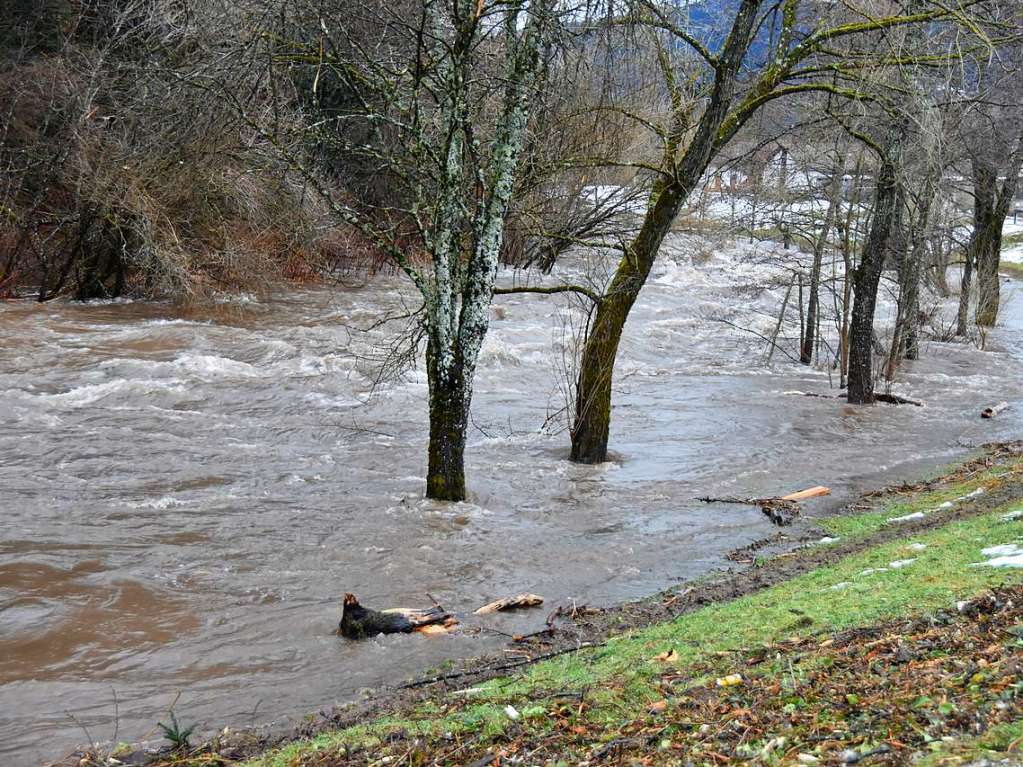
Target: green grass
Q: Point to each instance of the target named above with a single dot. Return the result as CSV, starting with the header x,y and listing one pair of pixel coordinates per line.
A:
x,y
995,745
1005,267
621,676
1012,240
859,525
1010,269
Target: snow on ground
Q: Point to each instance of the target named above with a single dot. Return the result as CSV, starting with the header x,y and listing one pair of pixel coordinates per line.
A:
x,y
1006,555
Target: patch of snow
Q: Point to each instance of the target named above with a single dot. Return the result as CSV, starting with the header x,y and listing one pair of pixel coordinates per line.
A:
x,y
872,570
916,546
1012,516
907,517
1005,555
899,563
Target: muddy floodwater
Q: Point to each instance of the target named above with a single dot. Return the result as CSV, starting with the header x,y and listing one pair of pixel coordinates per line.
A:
x,y
186,494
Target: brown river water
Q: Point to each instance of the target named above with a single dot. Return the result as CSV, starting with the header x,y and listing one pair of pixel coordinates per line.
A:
x,y
185,494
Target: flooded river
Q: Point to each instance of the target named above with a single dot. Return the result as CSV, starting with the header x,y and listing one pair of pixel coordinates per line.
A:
x,y
186,494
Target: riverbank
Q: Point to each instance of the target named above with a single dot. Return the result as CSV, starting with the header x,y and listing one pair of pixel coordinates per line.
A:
x,y
860,644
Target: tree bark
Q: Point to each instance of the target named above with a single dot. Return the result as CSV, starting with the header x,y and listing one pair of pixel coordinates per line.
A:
x,y
991,207
868,276
813,305
591,427
449,414
986,241
592,424
964,294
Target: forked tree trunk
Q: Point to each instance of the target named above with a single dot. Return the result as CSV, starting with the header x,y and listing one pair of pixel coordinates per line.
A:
x,y
450,397
868,277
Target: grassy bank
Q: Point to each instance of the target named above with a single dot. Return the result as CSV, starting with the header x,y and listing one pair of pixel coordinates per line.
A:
x,y
870,658
1010,269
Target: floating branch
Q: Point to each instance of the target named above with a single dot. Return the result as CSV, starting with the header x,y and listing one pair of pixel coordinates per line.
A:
x,y
781,511
993,410
891,399
510,603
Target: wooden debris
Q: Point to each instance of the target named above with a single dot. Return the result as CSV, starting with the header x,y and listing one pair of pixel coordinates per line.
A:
x,y
891,399
781,511
810,492
895,399
510,603
358,622
993,410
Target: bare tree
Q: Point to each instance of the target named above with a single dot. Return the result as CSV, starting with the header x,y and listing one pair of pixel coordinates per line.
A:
x,y
712,92
411,123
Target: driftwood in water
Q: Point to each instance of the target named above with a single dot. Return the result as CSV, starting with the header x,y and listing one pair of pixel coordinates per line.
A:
x,y
510,603
811,492
991,412
895,399
358,622
781,511
891,399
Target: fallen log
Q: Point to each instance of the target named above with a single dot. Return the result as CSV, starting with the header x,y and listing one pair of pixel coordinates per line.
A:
x,y
358,622
993,410
510,603
781,511
895,399
891,399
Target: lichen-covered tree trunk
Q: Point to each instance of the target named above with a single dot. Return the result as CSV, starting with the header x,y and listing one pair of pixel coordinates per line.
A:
x,y
868,277
450,396
458,302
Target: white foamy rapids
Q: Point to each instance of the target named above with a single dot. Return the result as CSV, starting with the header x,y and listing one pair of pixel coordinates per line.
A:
x,y
92,393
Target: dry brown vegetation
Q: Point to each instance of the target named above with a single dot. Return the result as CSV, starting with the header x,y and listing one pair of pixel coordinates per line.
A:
x,y
119,177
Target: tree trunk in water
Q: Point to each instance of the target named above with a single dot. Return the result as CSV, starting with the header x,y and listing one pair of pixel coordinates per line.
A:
x,y
964,294
592,425
449,414
868,277
985,242
905,339
813,305
988,285
899,246
991,208
593,390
